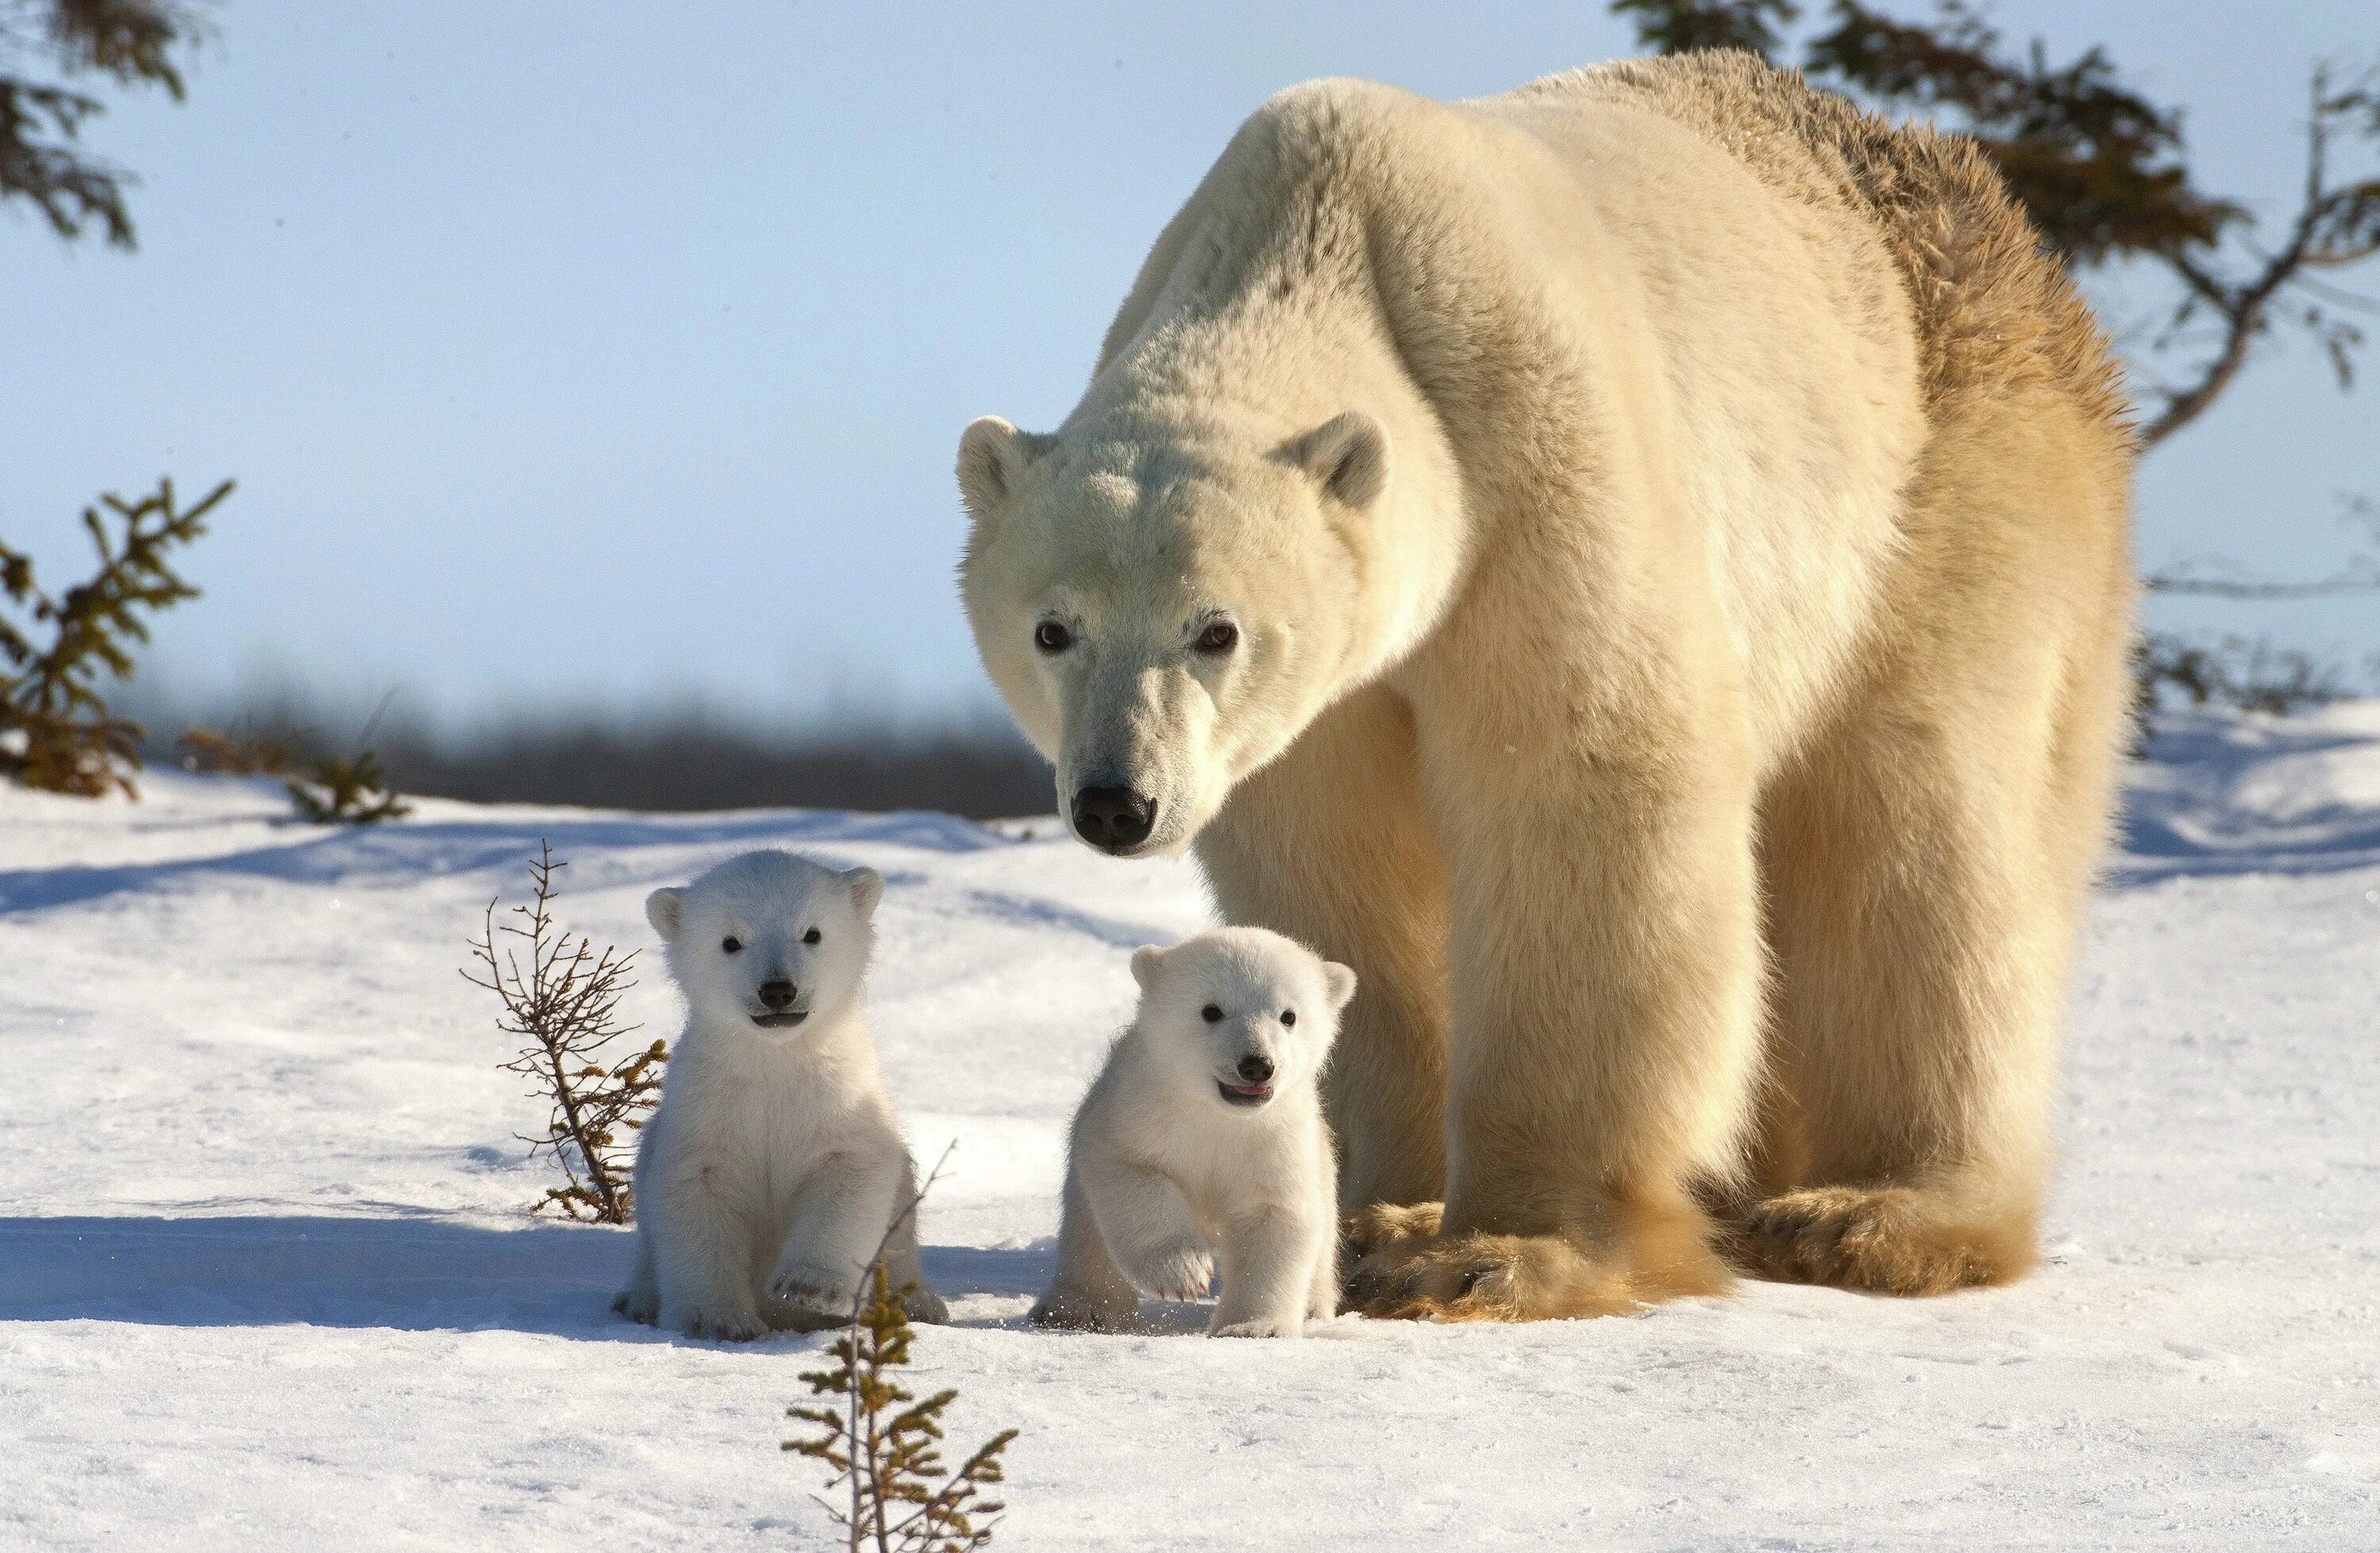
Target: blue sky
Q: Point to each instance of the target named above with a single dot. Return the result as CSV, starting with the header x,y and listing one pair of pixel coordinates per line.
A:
x,y
572,354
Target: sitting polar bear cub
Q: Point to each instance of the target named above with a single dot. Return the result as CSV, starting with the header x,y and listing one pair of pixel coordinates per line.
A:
x,y
1204,1129
769,1174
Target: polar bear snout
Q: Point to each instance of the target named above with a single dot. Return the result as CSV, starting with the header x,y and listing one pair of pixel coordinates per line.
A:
x,y
777,996
1254,1071
1115,819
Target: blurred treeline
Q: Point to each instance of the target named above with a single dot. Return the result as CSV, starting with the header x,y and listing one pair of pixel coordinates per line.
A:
x,y
692,757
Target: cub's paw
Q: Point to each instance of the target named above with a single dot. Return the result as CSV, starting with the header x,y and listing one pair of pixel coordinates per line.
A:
x,y
924,1304
1177,1270
722,1326
1070,1312
813,1289
1262,1326
1488,1277
639,1304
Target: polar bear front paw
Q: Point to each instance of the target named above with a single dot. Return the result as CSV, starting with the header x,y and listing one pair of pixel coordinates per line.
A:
x,y
1489,1277
1181,1269
1074,1311
639,1304
1262,1326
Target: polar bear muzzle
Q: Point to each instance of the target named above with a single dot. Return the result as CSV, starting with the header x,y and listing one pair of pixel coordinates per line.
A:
x,y
1115,819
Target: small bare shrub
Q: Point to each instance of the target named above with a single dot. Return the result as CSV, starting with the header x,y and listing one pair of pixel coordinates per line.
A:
x,y
241,751
2251,675
55,730
563,998
884,1444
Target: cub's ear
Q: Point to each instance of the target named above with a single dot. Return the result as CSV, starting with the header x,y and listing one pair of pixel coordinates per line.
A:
x,y
1340,981
867,890
1349,454
666,909
993,454
1145,961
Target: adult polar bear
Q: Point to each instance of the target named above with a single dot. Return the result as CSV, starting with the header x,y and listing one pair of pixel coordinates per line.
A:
x,y
1637,568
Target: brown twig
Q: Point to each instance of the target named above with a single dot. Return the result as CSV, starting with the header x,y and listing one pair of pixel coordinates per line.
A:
x,y
565,1005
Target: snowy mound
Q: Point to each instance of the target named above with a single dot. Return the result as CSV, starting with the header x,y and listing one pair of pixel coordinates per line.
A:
x,y
266,1281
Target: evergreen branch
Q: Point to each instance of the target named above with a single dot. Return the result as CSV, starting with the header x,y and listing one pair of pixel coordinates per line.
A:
x,y
882,1443
57,732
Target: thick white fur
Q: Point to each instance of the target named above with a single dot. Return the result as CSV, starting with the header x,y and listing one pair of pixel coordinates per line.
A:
x,y
1675,529
1164,1176
769,1172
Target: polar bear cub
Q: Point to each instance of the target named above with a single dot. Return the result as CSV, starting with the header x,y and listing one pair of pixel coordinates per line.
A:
x,y
769,1172
1202,1138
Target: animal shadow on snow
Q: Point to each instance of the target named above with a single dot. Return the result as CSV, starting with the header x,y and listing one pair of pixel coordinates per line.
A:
x,y
421,1275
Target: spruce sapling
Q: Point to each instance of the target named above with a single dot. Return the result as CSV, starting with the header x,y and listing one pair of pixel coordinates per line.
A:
x,y
563,997
55,730
350,791
884,1444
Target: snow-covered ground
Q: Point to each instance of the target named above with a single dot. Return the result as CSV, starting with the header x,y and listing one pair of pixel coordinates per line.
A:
x,y
266,1281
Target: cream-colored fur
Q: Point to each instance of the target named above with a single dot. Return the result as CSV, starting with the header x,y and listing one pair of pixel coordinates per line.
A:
x,y
1668,534
772,1169
1204,1135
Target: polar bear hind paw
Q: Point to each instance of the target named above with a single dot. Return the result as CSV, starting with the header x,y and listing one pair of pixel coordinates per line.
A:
x,y
1881,1240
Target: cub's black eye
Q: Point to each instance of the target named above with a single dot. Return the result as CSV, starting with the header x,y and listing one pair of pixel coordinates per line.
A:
x,y
811,936
1289,1016
1052,637
1211,1014
1220,637
731,943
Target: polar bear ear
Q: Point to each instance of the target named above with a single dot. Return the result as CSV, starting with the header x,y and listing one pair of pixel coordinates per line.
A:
x,y
993,454
666,909
1340,981
867,890
1349,454
1145,961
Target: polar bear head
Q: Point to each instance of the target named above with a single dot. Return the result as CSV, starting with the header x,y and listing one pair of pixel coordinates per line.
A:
x,y
1240,1013
1166,603
769,942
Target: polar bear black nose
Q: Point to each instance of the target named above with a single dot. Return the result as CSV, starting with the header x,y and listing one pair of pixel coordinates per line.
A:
x,y
1256,1068
1115,819
777,994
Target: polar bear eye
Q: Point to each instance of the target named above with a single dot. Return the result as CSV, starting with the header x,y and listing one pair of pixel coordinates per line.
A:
x,y
1052,637
731,943
1220,637
1211,1014
811,936
1289,1016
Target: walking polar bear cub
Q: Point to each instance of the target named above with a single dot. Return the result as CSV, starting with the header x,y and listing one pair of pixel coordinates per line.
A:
x,y
1636,568
1202,1136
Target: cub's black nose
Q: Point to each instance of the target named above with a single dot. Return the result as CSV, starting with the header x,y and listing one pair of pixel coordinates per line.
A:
x,y
1256,1068
777,994
1115,819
